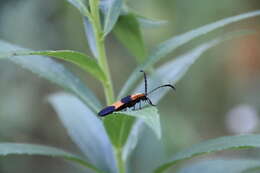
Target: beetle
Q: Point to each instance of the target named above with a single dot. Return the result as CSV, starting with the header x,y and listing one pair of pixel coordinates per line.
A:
x,y
131,100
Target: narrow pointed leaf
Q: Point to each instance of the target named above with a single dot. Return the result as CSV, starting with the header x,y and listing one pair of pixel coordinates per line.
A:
x,y
52,71
173,71
150,23
150,117
170,45
127,30
150,151
118,127
85,129
40,150
80,59
119,124
133,139
210,146
221,165
111,10
143,21
89,32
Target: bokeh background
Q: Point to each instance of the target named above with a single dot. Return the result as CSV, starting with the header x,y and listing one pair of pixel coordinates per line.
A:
x,y
218,96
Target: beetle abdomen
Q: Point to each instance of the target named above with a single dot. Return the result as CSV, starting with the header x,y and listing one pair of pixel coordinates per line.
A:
x,y
107,110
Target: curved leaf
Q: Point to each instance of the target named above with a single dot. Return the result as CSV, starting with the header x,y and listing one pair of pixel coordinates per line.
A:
x,y
30,149
220,165
133,139
173,71
119,124
150,117
89,32
52,71
111,10
136,134
86,130
170,45
127,30
80,59
148,154
118,127
213,145
150,23
144,21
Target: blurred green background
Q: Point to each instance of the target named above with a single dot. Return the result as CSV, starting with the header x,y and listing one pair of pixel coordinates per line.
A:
x,y
218,96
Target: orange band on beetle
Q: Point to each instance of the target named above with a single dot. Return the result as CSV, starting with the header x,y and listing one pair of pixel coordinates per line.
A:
x,y
135,96
117,104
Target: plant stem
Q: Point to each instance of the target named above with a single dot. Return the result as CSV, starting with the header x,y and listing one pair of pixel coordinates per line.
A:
x,y
102,60
120,161
100,43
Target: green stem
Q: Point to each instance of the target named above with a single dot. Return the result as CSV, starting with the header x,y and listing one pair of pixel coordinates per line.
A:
x,y
120,161
100,43
102,60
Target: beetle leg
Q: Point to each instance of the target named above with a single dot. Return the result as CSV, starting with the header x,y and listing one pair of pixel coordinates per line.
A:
x,y
150,102
140,105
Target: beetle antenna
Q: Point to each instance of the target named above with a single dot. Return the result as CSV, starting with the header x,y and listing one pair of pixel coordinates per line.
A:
x,y
162,86
145,83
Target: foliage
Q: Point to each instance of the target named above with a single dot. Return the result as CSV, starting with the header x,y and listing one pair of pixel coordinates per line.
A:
x,y
107,143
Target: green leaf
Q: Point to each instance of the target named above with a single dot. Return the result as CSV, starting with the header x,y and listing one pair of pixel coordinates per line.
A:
x,y
80,59
119,124
220,165
40,150
85,129
170,45
89,32
150,117
118,127
111,10
213,145
144,21
127,30
81,5
252,170
132,139
173,71
52,71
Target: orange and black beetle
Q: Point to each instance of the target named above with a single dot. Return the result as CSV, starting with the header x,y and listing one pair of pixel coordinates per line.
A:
x,y
131,100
